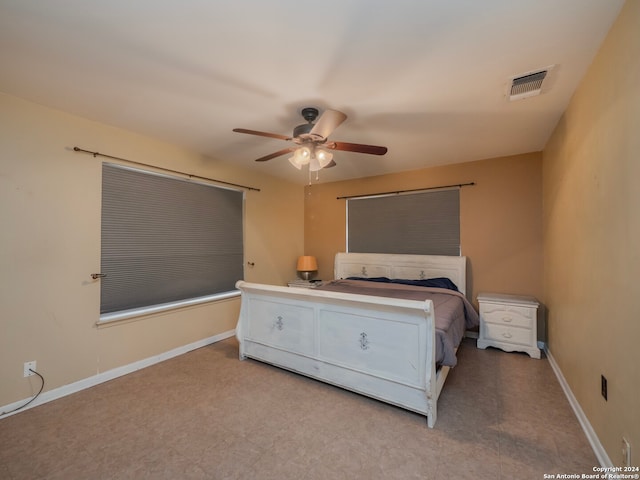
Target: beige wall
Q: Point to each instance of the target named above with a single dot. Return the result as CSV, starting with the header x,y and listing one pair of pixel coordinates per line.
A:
x,y
50,243
500,219
591,221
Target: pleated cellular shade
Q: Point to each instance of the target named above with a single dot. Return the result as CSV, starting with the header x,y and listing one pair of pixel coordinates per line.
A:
x,y
166,239
426,223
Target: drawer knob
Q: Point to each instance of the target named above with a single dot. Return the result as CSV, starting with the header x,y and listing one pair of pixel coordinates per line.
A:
x,y
279,324
507,319
364,342
506,335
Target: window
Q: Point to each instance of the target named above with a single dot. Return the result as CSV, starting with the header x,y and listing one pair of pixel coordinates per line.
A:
x,y
166,239
425,223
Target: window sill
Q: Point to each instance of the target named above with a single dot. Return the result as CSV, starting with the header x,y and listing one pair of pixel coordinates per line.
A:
x,y
110,318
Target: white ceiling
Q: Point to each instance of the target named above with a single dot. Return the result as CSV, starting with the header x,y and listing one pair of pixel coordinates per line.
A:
x,y
425,78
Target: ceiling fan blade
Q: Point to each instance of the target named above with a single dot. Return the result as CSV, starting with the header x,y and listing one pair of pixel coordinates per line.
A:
x,y
356,147
276,154
262,134
331,164
327,123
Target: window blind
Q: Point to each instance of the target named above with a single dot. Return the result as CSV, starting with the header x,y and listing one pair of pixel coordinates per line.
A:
x,y
166,239
425,223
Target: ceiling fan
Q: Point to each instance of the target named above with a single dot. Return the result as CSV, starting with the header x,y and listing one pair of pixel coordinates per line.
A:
x,y
311,139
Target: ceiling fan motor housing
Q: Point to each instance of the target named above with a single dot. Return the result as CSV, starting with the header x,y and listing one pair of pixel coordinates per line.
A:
x,y
302,129
309,114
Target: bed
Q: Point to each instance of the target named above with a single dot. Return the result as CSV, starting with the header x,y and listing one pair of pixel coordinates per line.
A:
x,y
374,329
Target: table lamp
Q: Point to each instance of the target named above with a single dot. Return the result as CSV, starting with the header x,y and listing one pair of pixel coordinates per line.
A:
x,y
307,267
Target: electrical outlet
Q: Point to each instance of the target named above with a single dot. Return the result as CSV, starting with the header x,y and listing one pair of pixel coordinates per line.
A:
x,y
603,386
626,452
29,366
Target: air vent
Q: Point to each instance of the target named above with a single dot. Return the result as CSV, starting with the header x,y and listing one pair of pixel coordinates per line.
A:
x,y
527,85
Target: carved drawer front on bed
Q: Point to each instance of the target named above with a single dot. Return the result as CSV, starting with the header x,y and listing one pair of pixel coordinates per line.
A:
x,y
366,271
378,346
281,325
412,273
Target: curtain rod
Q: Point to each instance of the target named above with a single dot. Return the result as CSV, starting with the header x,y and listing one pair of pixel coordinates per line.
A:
x,y
98,154
397,192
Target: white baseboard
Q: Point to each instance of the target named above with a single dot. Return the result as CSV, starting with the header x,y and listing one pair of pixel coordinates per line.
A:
x,y
597,447
111,374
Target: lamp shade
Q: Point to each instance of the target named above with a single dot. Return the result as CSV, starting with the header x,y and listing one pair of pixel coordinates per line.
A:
x,y
324,157
307,263
314,165
300,157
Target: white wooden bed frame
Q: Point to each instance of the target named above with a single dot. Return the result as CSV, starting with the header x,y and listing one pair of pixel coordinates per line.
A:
x,y
380,347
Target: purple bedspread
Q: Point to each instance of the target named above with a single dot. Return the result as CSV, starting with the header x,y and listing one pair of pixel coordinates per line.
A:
x,y
453,312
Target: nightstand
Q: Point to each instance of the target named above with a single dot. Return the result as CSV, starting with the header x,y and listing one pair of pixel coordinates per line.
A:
x,y
509,322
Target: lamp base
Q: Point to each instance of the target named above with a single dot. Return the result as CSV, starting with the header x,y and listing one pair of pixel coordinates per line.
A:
x,y
307,275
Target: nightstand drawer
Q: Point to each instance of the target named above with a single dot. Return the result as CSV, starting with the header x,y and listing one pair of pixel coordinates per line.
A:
x,y
508,316
500,333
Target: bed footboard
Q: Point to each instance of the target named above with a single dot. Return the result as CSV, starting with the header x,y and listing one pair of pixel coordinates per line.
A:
x,y
380,347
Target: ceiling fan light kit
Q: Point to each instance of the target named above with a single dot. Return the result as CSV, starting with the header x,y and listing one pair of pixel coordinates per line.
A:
x,y
312,140
317,158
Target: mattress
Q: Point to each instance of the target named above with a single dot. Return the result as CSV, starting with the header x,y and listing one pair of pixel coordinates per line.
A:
x,y
453,312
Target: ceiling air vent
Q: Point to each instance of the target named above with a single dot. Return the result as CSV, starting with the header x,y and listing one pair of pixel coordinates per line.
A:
x,y
527,85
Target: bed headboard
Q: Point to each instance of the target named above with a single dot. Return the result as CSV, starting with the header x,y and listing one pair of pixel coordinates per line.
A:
x,y
412,267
